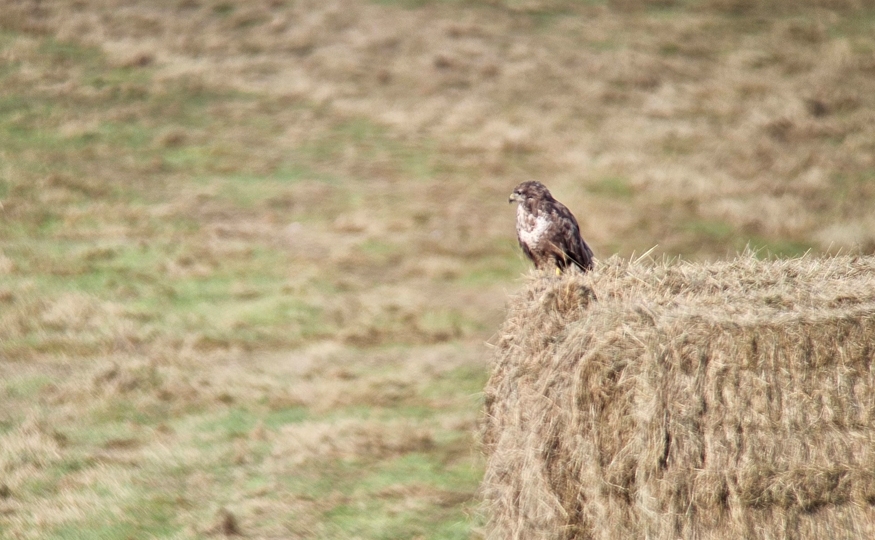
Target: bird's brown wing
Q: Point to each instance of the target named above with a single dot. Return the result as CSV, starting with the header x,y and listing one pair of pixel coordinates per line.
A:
x,y
567,237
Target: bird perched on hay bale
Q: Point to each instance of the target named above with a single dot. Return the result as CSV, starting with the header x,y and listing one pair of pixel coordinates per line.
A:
x,y
547,230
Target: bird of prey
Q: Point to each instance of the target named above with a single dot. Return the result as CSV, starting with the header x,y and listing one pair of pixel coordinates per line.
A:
x,y
547,231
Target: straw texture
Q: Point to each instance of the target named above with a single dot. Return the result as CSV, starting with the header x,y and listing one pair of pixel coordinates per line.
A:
x,y
669,400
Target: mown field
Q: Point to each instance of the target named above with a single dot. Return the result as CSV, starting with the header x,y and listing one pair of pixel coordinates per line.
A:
x,y
251,254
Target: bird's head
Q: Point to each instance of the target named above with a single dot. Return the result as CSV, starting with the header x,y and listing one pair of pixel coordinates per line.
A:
x,y
529,191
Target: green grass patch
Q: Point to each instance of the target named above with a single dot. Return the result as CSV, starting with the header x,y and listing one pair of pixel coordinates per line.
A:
x,y
176,288
105,425
490,269
372,144
372,514
616,187
248,191
235,422
24,387
238,421
711,230
782,248
122,410
151,516
466,382
289,415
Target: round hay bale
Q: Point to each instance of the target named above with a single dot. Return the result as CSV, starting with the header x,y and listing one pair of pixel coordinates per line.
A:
x,y
678,400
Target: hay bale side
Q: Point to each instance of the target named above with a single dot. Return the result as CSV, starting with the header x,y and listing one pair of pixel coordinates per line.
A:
x,y
717,401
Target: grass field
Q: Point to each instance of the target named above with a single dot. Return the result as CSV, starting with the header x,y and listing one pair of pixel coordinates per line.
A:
x,y
251,253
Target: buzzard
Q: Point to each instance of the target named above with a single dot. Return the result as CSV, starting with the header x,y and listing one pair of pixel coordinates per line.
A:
x,y
547,231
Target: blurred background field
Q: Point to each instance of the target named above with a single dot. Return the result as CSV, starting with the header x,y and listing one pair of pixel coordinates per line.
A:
x,y
251,253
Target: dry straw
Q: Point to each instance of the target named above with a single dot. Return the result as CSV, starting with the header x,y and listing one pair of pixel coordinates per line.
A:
x,y
676,400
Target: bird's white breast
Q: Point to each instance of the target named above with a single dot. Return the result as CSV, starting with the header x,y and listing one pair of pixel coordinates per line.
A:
x,y
529,228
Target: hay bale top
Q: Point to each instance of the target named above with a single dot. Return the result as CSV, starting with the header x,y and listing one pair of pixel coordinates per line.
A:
x,y
624,295
743,287
742,290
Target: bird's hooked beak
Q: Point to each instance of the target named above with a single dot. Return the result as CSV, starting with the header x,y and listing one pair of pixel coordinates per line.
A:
x,y
515,197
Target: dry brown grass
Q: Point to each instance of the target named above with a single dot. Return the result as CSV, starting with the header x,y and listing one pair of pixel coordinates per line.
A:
x,y
133,446
698,126
725,400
